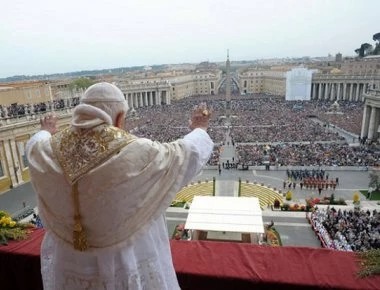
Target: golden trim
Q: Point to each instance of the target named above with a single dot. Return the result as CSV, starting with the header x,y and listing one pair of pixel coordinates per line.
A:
x,y
78,152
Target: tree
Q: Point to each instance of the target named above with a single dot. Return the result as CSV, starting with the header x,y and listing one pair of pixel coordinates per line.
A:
x,y
81,83
376,37
374,181
365,49
357,51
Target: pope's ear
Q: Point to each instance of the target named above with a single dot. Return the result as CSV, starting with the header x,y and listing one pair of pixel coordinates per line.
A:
x,y
119,122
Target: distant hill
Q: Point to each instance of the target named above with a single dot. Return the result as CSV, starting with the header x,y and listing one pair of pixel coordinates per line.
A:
x,y
83,73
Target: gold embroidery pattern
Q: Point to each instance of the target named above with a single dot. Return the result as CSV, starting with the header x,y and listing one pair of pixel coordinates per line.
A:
x,y
80,151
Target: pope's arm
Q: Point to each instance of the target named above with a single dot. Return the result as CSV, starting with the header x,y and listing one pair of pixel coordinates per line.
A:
x,y
39,136
48,128
200,145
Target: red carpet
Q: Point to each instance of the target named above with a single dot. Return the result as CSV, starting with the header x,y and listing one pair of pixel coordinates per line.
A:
x,y
215,265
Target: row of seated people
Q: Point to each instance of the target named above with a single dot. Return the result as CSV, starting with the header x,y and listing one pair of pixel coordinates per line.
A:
x,y
349,230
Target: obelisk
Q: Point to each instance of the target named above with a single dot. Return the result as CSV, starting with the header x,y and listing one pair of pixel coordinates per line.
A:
x,y
228,84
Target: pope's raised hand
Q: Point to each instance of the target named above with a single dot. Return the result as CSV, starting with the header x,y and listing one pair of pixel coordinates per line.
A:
x,y
200,117
49,123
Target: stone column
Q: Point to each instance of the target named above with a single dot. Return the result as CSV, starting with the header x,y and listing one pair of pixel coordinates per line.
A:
x,y
158,98
141,100
371,128
145,99
319,91
168,96
361,91
314,97
338,93
149,98
135,100
332,92
129,100
17,164
326,91
351,88
344,91
365,121
11,166
357,93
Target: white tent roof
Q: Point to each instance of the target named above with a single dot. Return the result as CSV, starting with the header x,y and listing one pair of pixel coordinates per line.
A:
x,y
224,213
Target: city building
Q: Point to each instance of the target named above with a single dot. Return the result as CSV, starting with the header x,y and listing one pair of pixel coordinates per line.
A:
x,y
25,93
265,81
371,116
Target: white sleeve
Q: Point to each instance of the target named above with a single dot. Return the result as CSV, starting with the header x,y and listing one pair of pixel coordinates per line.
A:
x,y
200,143
39,136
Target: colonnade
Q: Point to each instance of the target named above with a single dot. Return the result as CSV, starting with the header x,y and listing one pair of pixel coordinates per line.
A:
x,y
14,167
147,98
371,115
339,91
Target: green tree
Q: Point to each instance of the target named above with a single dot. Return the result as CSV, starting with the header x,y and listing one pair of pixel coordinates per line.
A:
x,y
376,37
81,83
365,49
374,181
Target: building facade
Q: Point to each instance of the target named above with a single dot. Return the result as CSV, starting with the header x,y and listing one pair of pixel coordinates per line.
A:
x,y
257,81
342,87
371,116
25,93
161,89
14,135
369,65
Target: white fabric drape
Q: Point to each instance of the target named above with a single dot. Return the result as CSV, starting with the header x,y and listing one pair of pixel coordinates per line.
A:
x,y
122,203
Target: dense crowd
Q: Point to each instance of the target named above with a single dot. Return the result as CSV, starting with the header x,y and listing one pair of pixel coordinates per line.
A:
x,y
20,110
300,131
253,119
353,230
349,116
169,122
277,120
316,154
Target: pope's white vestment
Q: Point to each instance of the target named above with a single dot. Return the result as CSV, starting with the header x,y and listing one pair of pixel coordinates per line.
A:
x,y
122,202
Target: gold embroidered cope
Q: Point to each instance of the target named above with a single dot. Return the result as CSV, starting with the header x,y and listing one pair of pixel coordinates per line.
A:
x,y
78,152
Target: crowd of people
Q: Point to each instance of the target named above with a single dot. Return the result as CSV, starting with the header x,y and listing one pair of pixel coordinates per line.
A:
x,y
288,127
20,110
315,154
270,120
349,230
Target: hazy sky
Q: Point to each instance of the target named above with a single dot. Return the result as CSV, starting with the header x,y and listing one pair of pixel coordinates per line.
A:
x,y
38,37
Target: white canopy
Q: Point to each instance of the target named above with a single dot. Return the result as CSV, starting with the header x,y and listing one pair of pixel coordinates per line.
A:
x,y
225,213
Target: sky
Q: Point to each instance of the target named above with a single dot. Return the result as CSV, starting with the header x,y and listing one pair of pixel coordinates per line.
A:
x,y
44,37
